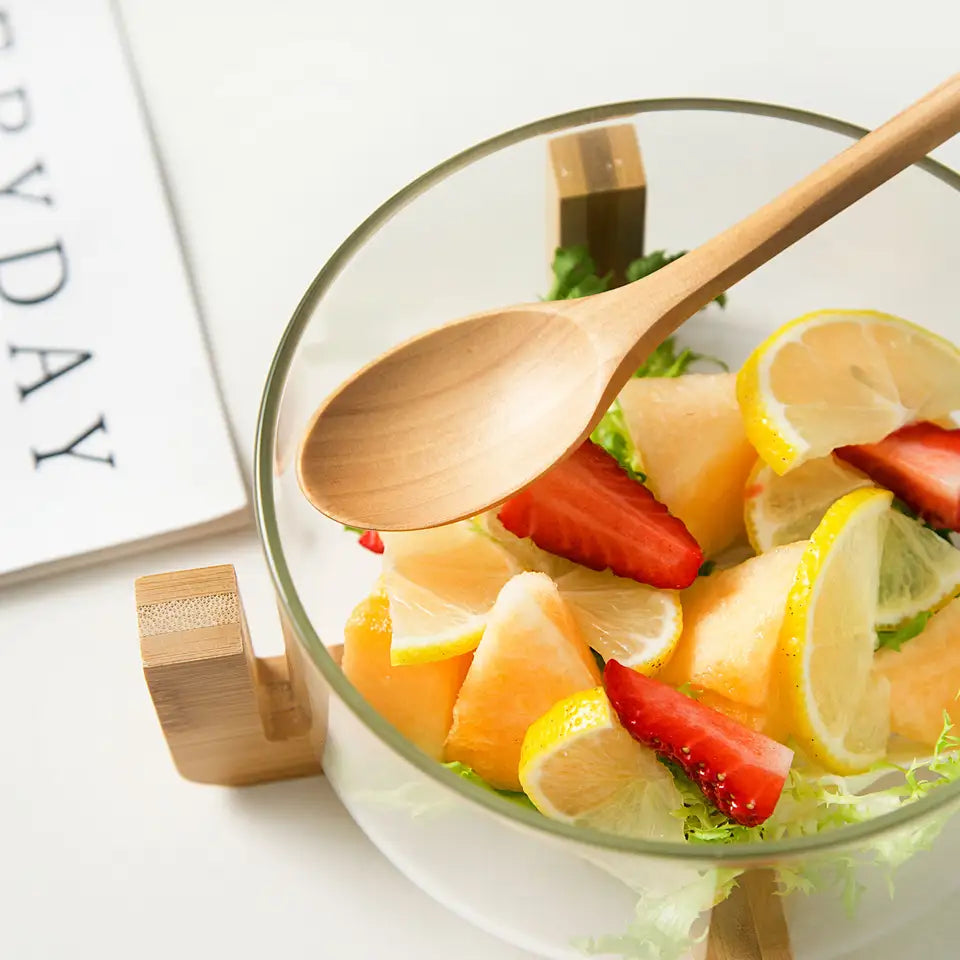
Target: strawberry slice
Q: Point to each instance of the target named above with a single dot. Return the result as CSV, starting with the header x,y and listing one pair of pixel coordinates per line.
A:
x,y
741,772
589,510
371,540
920,463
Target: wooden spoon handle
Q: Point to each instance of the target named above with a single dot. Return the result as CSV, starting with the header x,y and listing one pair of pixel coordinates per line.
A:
x,y
690,283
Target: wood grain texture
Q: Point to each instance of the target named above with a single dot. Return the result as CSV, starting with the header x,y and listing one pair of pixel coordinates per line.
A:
x,y
749,924
475,410
228,717
598,196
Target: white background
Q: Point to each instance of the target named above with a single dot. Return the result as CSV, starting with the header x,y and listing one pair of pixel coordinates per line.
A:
x,y
281,125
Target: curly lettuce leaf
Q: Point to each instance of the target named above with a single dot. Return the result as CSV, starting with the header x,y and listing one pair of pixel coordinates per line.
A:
x,y
812,804
468,773
666,362
666,927
611,433
575,275
896,637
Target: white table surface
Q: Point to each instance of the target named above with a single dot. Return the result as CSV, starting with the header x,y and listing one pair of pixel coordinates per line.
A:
x,y
281,125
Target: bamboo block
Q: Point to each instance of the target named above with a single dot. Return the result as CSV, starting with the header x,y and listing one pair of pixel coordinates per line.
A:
x,y
229,717
599,196
749,924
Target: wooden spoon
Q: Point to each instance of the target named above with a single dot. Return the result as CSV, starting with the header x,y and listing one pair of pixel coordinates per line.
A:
x,y
456,420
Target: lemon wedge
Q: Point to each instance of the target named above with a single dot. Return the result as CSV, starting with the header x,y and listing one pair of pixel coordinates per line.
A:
x,y
441,584
839,377
621,619
780,510
919,571
580,766
840,709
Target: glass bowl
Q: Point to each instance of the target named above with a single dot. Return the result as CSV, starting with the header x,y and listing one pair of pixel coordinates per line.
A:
x,y
470,234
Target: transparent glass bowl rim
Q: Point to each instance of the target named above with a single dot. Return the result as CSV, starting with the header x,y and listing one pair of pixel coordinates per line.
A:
x,y
940,799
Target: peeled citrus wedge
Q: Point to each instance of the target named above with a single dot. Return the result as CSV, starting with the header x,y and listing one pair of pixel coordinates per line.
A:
x,y
838,377
925,676
579,765
417,699
779,510
731,629
690,436
531,656
919,571
441,584
841,712
621,619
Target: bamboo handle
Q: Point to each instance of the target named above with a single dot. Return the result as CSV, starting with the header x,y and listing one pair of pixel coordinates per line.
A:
x,y
676,292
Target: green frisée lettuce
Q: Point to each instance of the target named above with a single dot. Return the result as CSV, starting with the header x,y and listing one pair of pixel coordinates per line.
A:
x,y
666,927
811,804
575,275
469,774
666,362
611,433
896,637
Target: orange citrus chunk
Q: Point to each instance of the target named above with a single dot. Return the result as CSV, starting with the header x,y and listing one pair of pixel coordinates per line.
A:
x,y
691,440
731,626
924,678
531,656
417,699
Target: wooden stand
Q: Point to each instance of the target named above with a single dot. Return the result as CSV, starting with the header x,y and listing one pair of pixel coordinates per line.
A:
x,y
599,196
232,718
749,924
229,717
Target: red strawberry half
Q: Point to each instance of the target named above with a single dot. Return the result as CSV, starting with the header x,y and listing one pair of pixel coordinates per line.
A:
x,y
371,540
587,509
920,463
741,772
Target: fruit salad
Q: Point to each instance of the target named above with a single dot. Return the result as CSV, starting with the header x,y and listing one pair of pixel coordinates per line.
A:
x,y
729,616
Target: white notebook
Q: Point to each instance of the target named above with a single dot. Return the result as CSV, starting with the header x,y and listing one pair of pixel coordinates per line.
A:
x,y
112,434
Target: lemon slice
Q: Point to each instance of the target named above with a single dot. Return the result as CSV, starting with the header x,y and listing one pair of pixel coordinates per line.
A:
x,y
624,620
780,510
919,571
837,377
522,549
441,584
827,640
579,765
621,619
